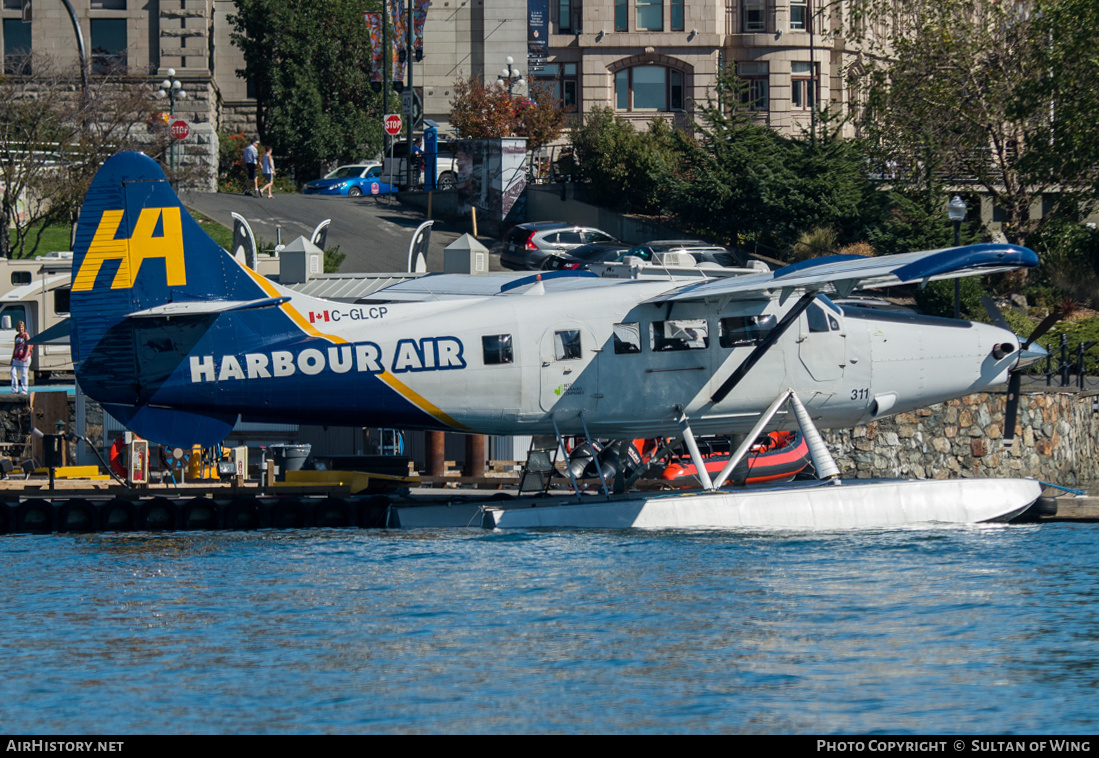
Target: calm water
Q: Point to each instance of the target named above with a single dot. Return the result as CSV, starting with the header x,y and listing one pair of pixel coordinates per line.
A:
x,y
954,630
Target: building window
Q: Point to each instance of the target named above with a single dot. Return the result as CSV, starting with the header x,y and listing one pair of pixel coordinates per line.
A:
x,y
755,94
650,15
497,349
802,94
569,16
108,45
17,47
683,334
108,5
677,15
752,15
648,88
621,15
563,83
799,14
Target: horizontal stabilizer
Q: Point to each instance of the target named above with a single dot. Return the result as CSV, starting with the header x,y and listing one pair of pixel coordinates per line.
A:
x,y
58,334
207,307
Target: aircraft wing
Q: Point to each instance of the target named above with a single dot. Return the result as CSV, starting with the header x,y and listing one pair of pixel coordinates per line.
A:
x,y
844,274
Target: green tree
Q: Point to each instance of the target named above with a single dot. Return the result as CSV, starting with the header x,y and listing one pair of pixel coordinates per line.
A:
x,y
1002,94
743,182
309,62
626,169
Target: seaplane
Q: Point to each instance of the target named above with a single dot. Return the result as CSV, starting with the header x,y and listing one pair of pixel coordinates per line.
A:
x,y
179,340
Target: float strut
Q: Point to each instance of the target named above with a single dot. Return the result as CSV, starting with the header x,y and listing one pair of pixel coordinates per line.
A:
x,y
692,446
746,445
561,447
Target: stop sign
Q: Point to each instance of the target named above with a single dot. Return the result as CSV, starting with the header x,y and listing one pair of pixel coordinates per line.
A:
x,y
179,129
392,124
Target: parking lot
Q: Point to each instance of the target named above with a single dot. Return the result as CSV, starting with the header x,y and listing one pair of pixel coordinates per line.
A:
x,y
374,233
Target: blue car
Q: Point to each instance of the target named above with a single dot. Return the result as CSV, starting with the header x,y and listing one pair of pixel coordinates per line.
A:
x,y
351,181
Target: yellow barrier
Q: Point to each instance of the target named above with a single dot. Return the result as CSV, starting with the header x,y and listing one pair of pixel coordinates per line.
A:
x,y
355,481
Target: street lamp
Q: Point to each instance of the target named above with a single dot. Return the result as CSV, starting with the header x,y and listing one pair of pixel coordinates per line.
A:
x,y
511,75
955,210
172,89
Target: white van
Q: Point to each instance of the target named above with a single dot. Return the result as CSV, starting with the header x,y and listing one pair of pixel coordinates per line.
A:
x,y
446,166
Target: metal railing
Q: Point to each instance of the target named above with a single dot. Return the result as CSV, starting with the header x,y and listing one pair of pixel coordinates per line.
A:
x,y
1066,366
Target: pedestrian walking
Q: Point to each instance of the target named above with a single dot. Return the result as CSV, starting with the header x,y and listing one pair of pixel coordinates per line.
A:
x,y
268,172
251,158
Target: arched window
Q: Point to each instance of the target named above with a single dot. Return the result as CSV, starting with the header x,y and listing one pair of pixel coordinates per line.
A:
x,y
648,88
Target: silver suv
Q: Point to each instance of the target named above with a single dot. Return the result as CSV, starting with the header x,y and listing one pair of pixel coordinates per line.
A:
x,y
527,246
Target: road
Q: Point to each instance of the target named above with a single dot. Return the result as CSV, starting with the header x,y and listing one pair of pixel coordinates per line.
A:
x,y
373,233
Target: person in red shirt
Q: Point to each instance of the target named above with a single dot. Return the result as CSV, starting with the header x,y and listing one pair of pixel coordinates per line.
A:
x,y
20,360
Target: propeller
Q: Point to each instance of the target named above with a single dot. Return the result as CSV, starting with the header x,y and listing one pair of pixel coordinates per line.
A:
x,y
1027,356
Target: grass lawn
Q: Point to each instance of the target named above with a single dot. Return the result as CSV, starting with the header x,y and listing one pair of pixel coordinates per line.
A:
x,y
54,238
57,237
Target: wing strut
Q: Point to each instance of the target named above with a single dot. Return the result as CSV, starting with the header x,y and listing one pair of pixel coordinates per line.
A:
x,y
762,348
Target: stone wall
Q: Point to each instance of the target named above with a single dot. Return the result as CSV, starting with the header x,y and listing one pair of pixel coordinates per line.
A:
x,y
1055,441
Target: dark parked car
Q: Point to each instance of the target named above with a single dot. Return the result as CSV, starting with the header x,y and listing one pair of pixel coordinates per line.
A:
x,y
526,246
585,255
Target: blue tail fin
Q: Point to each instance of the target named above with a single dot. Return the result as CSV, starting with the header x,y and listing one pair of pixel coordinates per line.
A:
x,y
136,248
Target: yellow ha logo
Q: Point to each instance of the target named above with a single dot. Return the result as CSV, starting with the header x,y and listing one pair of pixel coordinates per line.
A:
x,y
131,252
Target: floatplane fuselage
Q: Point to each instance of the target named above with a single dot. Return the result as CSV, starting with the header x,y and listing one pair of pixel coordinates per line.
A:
x,y
178,339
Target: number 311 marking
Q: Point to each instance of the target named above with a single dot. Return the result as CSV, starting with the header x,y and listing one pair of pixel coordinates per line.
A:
x,y
860,394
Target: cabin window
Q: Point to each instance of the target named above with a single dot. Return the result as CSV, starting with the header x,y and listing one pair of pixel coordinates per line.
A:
x,y
61,300
566,345
681,334
14,314
740,331
627,337
20,277
497,349
819,321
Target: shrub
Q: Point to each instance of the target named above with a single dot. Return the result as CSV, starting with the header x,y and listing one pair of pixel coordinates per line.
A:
x,y
231,174
814,243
